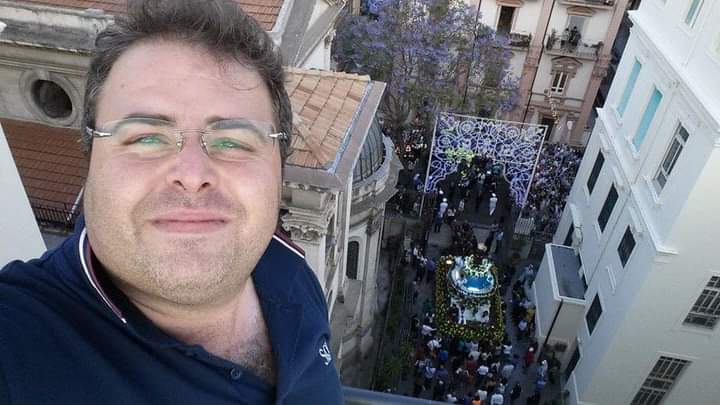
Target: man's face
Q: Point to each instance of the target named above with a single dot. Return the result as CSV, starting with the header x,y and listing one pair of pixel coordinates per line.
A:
x,y
185,228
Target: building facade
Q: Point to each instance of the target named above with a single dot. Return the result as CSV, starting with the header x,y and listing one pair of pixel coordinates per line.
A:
x,y
642,223
560,53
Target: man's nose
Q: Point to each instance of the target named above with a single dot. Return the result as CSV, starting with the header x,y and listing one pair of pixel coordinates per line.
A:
x,y
192,169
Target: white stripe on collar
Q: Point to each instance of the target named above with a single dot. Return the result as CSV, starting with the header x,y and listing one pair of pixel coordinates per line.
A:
x,y
289,246
90,275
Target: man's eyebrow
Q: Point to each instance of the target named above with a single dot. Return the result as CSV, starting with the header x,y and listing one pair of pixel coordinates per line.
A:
x,y
160,117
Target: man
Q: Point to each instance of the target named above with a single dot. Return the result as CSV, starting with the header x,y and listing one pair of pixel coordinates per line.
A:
x,y
177,291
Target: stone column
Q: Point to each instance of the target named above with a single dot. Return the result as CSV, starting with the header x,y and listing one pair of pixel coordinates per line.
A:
x,y
599,71
532,61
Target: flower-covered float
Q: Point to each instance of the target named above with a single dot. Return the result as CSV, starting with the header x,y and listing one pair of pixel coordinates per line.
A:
x,y
467,298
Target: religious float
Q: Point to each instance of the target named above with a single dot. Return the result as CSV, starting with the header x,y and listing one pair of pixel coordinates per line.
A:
x,y
467,299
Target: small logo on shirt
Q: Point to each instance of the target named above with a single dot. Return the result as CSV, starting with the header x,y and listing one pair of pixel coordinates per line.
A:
x,y
325,353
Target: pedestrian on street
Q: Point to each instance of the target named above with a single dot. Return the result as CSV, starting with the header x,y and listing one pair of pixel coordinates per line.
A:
x,y
515,393
493,204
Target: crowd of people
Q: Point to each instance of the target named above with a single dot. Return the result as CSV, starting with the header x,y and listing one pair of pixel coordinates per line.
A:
x,y
554,176
454,370
450,369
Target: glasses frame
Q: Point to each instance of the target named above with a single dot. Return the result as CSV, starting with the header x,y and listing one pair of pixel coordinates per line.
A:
x,y
180,133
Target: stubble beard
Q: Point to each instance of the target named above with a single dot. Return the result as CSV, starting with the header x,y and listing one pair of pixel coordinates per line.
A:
x,y
187,271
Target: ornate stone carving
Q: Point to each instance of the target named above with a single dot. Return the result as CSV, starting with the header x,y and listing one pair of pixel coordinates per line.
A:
x,y
304,232
374,221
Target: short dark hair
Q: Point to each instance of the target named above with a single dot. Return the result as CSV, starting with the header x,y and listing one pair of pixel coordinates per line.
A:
x,y
220,26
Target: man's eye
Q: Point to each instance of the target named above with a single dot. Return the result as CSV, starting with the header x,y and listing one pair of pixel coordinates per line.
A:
x,y
227,143
149,139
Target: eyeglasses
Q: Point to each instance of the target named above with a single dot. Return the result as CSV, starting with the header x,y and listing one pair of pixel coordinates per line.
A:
x,y
233,140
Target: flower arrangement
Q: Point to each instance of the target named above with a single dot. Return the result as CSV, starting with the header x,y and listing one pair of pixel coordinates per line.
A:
x,y
491,333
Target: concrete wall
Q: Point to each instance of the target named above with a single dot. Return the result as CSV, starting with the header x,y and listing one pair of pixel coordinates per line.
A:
x,y
20,237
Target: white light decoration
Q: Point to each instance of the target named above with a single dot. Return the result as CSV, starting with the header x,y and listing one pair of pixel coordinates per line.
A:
x,y
514,145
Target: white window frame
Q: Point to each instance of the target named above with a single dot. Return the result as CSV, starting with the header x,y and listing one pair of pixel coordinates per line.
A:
x,y
703,306
559,82
677,144
660,380
693,18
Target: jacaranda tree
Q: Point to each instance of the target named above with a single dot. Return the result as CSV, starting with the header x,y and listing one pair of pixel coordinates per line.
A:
x,y
433,55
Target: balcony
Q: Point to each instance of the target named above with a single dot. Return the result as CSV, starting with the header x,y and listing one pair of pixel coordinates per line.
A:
x,y
517,40
596,4
357,396
574,47
559,296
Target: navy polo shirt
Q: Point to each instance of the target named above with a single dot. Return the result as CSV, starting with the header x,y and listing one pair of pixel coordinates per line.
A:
x,y
69,336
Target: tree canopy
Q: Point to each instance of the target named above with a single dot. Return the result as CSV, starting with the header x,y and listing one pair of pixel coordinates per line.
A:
x,y
433,55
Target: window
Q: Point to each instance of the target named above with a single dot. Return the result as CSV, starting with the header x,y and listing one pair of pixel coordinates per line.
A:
x,y
576,21
505,20
593,314
693,12
660,381
626,246
647,117
595,172
51,99
351,267
493,74
671,156
607,208
558,82
569,236
706,310
573,362
550,122
629,86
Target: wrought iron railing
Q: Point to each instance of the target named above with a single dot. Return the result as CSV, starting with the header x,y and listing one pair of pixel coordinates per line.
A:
x,y
55,215
580,49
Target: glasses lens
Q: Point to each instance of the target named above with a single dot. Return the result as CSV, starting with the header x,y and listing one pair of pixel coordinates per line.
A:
x,y
238,140
145,140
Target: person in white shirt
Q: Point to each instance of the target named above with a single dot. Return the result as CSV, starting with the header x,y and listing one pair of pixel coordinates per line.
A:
x,y
497,399
443,207
493,203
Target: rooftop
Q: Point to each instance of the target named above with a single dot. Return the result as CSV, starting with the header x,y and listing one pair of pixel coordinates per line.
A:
x,y
50,161
324,105
567,266
264,11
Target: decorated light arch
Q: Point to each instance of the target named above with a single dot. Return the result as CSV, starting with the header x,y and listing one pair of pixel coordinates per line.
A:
x,y
516,146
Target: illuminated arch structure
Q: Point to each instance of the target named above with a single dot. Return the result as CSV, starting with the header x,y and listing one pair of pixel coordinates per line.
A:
x,y
513,145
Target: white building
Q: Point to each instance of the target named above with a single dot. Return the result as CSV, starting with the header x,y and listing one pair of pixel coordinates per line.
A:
x,y
560,78
643,219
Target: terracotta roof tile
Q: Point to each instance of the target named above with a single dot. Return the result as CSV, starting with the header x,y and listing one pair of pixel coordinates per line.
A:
x,y
50,161
264,11
324,104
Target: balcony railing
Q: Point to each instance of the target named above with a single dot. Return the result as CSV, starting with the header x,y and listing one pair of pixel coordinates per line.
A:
x,y
57,215
520,40
605,4
357,396
575,48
